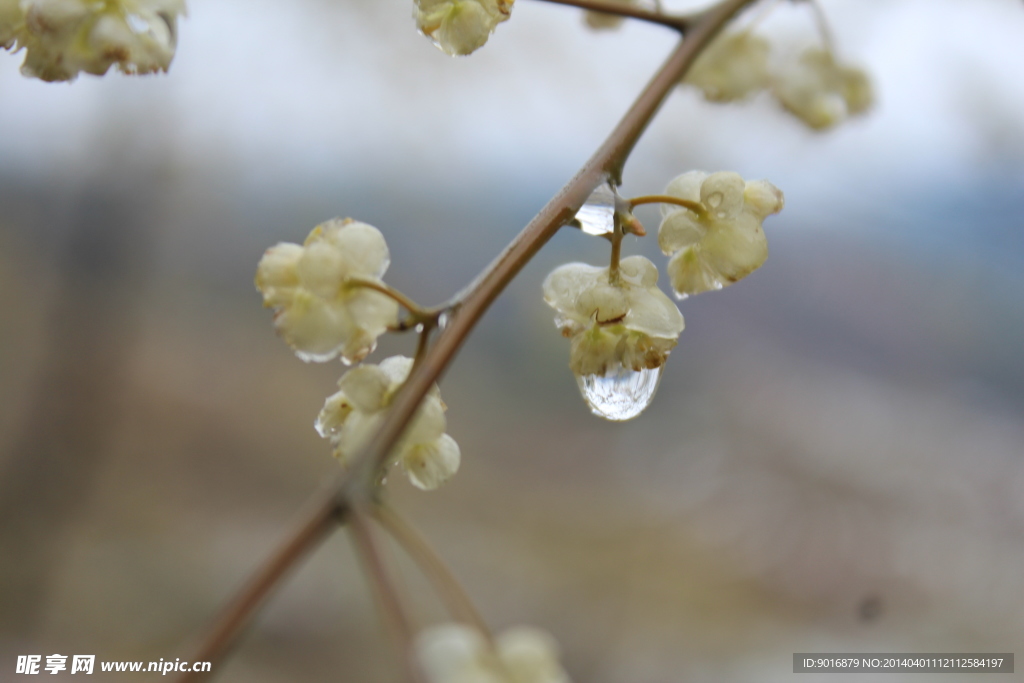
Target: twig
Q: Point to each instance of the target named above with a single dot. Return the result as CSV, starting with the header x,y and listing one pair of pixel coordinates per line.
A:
x,y
384,588
445,583
469,306
323,518
678,23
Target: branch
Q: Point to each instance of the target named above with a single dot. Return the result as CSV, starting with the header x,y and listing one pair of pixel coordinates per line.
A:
x,y
445,583
324,516
387,594
609,7
355,486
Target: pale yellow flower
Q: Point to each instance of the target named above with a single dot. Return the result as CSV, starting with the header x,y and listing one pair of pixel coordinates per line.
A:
x,y
627,323
733,67
351,416
723,241
63,38
459,27
317,311
821,92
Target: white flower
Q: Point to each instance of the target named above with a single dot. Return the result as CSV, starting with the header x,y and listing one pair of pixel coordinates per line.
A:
x,y
734,66
723,241
317,312
603,20
459,27
821,92
352,415
455,653
628,322
63,38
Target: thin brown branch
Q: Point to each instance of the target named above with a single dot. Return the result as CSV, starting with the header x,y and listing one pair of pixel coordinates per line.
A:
x,y
466,309
391,603
322,519
432,566
678,23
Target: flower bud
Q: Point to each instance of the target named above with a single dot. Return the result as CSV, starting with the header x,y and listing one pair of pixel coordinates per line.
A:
x,y
457,653
603,21
460,27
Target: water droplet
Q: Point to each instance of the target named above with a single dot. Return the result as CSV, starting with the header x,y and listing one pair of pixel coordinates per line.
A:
x,y
620,394
442,321
597,216
715,199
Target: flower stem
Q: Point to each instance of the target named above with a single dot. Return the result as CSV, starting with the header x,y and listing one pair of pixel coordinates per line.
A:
x,y
616,239
821,21
418,312
696,207
432,566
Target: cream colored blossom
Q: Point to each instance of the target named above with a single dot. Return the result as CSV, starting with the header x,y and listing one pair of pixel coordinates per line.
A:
x,y
456,653
723,241
316,310
351,416
733,67
460,27
821,92
604,21
63,38
627,323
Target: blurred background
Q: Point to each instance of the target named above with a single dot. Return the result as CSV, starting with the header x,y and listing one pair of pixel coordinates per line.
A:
x,y
835,459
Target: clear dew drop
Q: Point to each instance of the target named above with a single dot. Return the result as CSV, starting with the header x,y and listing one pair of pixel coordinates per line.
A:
x,y
620,394
322,429
597,216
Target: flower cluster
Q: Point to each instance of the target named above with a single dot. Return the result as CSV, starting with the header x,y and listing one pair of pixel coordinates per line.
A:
x,y
63,38
460,27
352,415
318,310
817,89
454,653
820,91
623,321
733,67
718,239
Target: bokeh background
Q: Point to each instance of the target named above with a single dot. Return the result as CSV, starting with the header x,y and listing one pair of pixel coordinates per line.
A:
x,y
835,459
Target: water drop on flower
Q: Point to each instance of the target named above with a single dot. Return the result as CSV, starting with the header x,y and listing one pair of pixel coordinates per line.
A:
x,y
620,394
597,215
